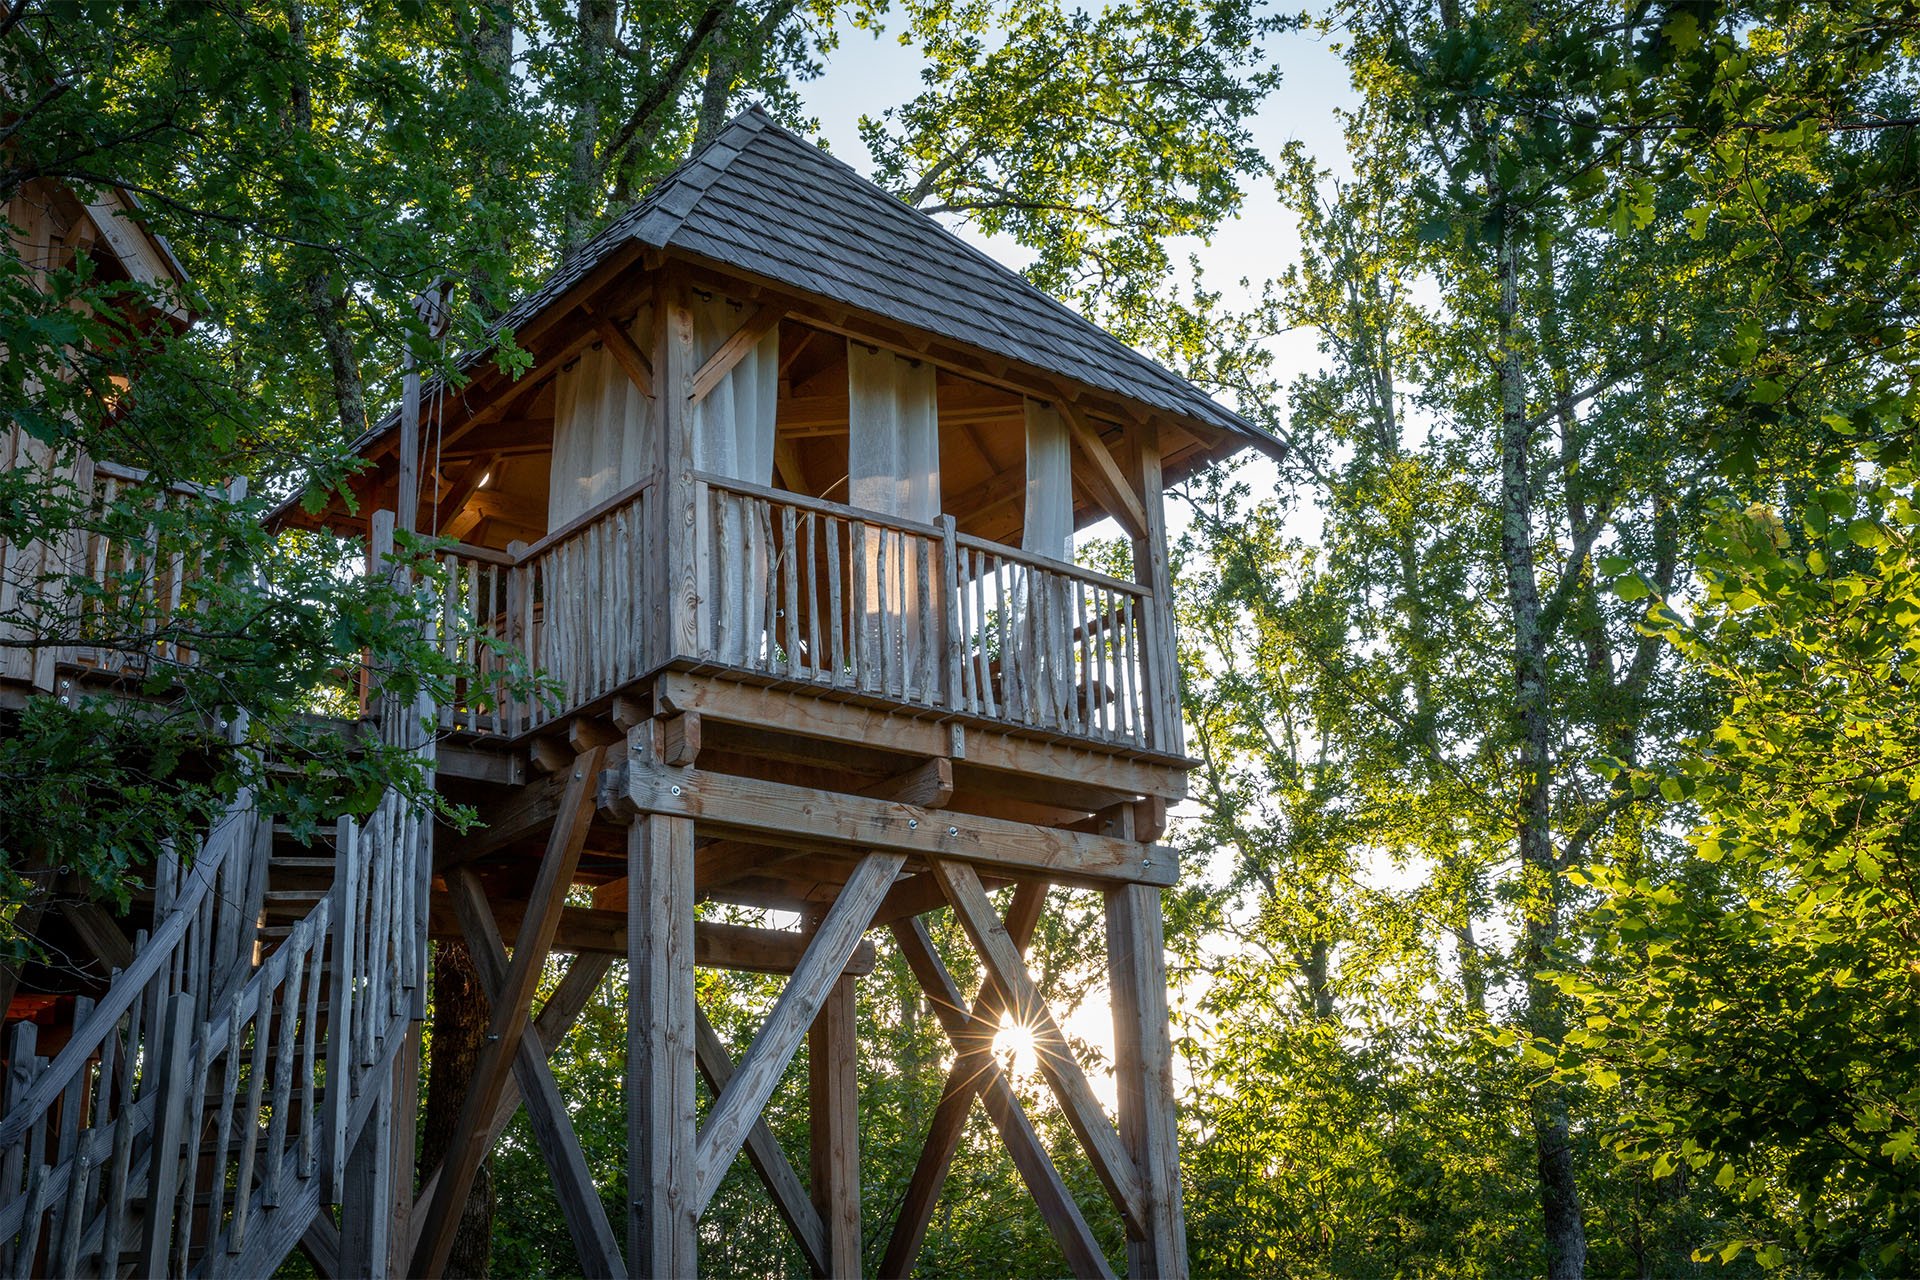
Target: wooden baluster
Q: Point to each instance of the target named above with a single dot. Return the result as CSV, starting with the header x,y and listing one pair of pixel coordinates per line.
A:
x,y
836,606
169,1089
790,576
288,1007
199,1062
310,1035
862,618
340,1000
113,1190
950,614
261,1017
223,1120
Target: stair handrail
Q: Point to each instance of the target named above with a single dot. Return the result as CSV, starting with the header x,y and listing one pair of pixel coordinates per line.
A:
x,y
131,983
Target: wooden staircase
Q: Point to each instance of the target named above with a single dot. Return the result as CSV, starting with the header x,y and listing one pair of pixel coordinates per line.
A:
x,y
199,1121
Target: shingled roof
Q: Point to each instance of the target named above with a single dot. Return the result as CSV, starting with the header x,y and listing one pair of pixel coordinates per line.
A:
x,y
766,201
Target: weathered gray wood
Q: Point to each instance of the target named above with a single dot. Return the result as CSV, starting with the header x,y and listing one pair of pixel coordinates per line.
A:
x,y
730,803
1002,960
340,1001
579,1199
366,1201
1143,1073
662,1144
509,1018
833,1118
765,1154
174,1055
773,1048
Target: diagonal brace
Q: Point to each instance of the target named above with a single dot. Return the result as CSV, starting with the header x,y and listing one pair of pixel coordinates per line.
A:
x,y
1004,965
975,1071
552,1125
773,1048
768,1157
509,1020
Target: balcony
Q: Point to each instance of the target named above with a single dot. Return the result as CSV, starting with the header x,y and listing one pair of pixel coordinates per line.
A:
x,y
819,598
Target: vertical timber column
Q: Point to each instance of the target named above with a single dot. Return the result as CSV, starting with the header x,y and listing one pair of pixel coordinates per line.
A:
x,y
1143,1074
662,1177
833,1127
1150,571
674,387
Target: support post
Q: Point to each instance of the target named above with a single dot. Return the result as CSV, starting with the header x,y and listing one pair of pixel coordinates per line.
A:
x,y
1143,1073
833,1125
366,1201
662,1178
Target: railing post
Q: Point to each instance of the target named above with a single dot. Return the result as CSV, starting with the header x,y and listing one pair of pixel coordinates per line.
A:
x,y
171,1088
1161,670
950,609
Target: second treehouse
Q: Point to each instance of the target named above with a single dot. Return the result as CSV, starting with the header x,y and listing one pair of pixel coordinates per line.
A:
x,y
784,508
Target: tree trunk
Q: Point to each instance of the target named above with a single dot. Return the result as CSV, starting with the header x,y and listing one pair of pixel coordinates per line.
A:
x,y
584,196
327,308
460,1014
1559,1193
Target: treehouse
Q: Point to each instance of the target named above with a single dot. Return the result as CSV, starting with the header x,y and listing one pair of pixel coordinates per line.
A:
x,y
784,511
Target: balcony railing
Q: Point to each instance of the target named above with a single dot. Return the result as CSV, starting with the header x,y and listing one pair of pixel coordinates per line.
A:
x,y
793,590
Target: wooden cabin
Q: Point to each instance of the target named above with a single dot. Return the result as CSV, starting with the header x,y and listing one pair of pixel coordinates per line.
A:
x,y
785,509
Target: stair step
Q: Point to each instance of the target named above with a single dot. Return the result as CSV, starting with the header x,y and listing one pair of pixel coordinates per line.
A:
x,y
299,863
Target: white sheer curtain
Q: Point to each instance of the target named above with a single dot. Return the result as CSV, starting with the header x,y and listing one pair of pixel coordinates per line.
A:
x,y
1043,674
733,437
893,467
602,426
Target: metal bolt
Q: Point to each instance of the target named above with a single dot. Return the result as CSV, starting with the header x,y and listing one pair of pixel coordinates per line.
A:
x,y
1146,862
913,824
66,684
675,790
63,700
953,831
576,773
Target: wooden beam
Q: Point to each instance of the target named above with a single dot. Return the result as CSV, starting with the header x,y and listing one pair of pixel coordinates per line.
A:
x,y
765,1154
552,1125
534,940
1143,1074
728,803
603,931
1104,478
928,785
759,709
733,350
833,1128
630,357
1003,962
100,932
766,1059
975,1071
662,1143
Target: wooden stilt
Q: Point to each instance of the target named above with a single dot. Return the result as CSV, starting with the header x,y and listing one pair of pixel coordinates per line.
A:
x,y
833,1118
366,1202
405,1137
1143,1070
661,1179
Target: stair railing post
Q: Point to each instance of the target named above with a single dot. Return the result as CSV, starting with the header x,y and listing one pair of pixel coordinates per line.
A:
x,y
169,1135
